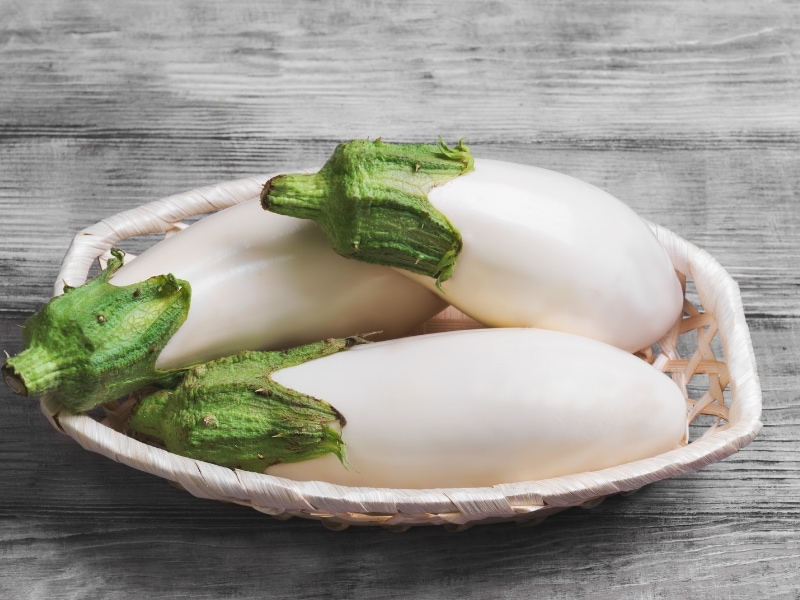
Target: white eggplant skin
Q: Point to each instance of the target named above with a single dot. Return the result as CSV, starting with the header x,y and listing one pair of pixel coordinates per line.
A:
x,y
486,406
544,249
262,281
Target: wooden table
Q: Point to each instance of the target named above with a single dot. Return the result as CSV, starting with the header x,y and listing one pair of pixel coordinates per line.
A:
x,y
687,110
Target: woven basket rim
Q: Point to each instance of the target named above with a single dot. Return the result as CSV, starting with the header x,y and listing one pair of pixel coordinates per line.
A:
x,y
719,297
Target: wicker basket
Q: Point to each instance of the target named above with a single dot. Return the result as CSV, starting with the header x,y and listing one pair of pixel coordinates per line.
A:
x,y
709,354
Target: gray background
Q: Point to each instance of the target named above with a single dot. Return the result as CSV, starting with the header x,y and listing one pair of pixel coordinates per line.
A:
x,y
687,110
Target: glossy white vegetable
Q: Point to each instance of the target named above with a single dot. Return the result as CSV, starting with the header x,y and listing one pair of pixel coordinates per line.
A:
x,y
543,249
510,245
265,281
487,406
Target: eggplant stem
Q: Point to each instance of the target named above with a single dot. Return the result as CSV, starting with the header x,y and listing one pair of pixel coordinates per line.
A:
x,y
14,381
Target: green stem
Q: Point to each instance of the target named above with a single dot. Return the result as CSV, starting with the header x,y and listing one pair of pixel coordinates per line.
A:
x,y
302,194
98,342
231,412
371,199
35,371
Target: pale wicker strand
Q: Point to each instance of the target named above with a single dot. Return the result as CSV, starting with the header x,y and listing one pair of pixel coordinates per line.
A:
x,y
97,438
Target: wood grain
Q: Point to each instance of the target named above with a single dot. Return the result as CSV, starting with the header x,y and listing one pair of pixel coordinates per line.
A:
x,y
686,110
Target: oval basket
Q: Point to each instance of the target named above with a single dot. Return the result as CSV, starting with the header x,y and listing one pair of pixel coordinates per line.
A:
x,y
708,353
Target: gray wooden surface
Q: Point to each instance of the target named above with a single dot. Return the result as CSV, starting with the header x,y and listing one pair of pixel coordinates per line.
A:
x,y
687,110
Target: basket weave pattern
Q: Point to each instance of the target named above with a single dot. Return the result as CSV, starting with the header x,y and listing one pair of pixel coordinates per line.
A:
x,y
708,354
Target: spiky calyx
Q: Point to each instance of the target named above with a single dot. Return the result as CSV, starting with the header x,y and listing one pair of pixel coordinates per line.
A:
x,y
231,412
98,342
371,199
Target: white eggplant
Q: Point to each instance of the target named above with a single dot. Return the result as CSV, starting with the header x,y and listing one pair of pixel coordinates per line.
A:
x,y
510,245
543,249
265,281
241,279
487,406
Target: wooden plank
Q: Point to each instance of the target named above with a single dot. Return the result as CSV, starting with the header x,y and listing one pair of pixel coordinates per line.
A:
x,y
686,110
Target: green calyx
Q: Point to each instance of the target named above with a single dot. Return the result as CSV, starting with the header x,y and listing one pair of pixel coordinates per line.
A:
x,y
371,199
231,412
98,342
